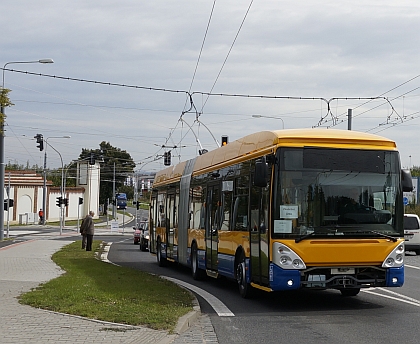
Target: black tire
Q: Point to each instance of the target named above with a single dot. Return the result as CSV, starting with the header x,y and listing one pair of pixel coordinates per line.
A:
x,y
245,289
197,273
417,252
161,261
350,292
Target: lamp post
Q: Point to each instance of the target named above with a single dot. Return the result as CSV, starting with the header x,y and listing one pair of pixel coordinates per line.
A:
x,y
44,190
61,189
2,142
261,116
114,203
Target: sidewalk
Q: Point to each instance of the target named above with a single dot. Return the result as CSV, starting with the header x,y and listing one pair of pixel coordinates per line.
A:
x,y
105,227
25,265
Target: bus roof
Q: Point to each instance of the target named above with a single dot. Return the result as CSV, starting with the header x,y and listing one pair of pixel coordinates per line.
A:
x,y
265,142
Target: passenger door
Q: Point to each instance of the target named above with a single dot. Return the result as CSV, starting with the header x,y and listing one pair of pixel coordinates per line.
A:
x,y
212,225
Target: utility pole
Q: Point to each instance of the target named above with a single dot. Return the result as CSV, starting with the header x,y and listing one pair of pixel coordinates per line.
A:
x,y
114,201
349,118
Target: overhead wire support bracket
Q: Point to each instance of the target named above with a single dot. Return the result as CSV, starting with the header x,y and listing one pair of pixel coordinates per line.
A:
x,y
201,150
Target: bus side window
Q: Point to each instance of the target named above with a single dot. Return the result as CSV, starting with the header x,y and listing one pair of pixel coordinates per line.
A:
x,y
226,204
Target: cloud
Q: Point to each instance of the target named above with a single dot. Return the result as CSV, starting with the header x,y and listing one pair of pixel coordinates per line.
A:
x,y
289,48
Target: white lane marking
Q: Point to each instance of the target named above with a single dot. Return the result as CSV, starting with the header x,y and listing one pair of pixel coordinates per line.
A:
x,y
399,295
411,266
17,232
393,298
218,306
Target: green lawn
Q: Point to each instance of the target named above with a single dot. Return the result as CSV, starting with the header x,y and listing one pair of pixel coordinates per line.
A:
x,y
98,290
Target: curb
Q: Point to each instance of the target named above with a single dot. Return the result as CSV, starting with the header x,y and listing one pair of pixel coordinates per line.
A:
x,y
184,322
187,320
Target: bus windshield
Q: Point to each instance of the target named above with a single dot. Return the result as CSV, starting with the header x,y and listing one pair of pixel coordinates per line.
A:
x,y
121,201
347,193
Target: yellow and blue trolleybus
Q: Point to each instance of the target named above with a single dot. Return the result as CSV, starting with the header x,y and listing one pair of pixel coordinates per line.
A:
x,y
286,209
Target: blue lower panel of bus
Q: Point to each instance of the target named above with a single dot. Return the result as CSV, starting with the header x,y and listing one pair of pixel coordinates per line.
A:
x,y
226,265
397,274
281,279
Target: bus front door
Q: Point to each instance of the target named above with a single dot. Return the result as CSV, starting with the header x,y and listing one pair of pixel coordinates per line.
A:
x,y
259,256
212,225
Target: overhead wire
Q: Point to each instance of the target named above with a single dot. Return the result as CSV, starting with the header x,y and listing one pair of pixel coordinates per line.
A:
x,y
323,120
228,54
381,95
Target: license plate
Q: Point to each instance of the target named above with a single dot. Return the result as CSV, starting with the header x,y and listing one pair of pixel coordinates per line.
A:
x,y
342,271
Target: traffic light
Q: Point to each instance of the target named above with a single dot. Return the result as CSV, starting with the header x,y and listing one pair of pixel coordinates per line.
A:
x,y
225,140
10,201
92,158
80,200
138,205
59,201
40,140
167,158
66,202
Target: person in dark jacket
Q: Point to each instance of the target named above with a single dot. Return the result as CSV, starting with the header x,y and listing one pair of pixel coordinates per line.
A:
x,y
88,230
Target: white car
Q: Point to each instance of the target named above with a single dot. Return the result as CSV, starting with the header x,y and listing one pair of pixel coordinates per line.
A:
x,y
412,233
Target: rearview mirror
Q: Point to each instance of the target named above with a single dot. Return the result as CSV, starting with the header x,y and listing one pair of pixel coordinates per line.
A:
x,y
261,172
406,181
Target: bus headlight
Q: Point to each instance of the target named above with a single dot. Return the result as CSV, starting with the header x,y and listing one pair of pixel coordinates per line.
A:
x,y
286,258
396,258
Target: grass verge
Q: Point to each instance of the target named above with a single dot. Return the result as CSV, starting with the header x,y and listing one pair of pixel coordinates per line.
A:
x,y
102,291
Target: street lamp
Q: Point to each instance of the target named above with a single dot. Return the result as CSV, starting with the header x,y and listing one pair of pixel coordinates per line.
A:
x,y
44,190
61,189
261,116
3,113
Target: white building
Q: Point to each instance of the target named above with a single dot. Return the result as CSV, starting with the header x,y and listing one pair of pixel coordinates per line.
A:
x,y
26,190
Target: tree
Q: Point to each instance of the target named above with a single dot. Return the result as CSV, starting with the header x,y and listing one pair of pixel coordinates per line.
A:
x,y
4,102
415,171
128,190
109,156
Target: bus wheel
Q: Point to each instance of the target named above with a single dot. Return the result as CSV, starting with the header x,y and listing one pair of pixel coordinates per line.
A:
x,y
245,289
350,292
197,274
161,261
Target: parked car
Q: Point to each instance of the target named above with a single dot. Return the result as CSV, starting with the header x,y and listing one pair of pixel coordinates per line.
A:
x,y
412,233
136,235
144,237
141,235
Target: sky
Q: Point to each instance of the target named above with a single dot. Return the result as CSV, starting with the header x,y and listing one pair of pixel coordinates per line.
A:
x,y
138,74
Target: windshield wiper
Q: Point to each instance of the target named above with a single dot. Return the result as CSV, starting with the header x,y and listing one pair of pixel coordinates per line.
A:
x,y
327,231
303,237
378,233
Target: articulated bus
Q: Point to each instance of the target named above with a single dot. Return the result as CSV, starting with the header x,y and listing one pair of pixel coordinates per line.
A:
x,y
287,209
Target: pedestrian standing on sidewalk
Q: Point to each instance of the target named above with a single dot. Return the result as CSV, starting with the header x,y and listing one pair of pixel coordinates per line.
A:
x,y
88,229
41,216
83,233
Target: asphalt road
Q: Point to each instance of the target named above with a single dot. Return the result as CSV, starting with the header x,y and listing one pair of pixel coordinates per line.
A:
x,y
374,316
